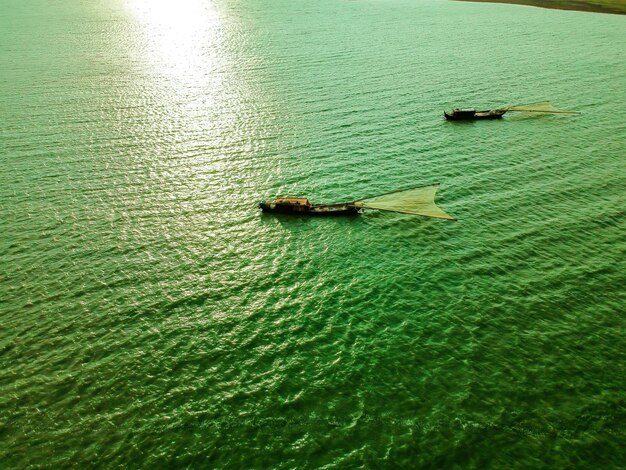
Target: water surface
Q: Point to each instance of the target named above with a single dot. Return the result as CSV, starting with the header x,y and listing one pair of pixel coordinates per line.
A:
x,y
152,316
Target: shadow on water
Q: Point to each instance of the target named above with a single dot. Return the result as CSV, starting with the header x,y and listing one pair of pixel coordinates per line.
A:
x,y
366,220
293,222
474,122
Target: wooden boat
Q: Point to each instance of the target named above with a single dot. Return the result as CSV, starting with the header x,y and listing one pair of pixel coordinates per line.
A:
x,y
419,200
301,205
472,114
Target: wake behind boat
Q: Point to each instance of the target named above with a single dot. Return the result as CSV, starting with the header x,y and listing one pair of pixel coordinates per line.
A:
x,y
417,201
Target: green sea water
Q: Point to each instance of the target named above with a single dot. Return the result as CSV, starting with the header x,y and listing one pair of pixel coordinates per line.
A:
x,y
151,316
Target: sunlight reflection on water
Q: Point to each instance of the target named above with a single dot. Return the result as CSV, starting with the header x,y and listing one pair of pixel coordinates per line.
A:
x,y
181,41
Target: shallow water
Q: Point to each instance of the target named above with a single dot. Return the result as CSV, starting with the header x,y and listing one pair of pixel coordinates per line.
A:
x,y
152,316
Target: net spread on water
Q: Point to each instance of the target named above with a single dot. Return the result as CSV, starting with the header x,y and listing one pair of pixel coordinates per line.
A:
x,y
541,107
417,201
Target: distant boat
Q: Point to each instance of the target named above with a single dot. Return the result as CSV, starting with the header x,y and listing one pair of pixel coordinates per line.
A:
x,y
302,206
472,114
418,201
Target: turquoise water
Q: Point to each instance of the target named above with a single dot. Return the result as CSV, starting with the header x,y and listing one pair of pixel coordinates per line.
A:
x,y
151,316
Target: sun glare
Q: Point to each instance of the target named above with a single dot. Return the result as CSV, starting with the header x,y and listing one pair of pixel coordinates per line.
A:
x,y
181,36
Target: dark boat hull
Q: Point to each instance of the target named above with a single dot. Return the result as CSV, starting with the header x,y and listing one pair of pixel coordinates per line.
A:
x,y
314,209
471,115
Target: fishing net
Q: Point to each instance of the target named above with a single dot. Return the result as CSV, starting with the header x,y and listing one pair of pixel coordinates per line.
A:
x,y
418,201
541,107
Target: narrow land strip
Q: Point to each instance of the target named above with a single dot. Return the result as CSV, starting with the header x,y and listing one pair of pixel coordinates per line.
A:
x,y
617,7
